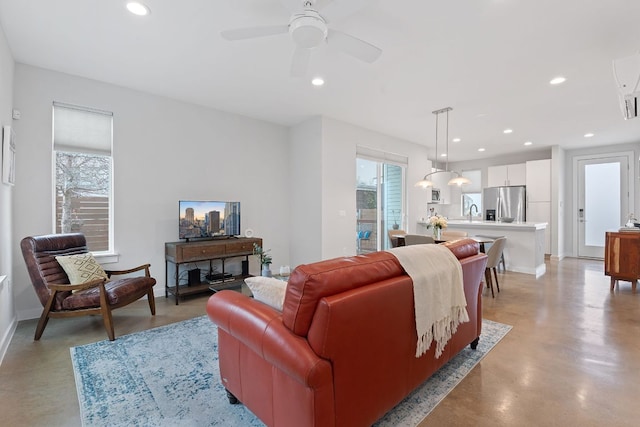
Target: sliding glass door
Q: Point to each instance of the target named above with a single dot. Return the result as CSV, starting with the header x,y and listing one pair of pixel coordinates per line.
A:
x,y
379,202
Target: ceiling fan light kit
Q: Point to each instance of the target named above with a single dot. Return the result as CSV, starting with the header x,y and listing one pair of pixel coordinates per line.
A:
x,y
457,179
308,30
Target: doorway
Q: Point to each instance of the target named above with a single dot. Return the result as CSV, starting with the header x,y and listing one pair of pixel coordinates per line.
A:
x,y
379,203
603,200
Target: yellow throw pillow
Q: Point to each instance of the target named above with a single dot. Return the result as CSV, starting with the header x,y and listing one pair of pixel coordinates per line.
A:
x,y
81,268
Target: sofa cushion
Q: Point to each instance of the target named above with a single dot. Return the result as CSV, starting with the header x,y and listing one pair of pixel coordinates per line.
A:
x,y
309,283
267,290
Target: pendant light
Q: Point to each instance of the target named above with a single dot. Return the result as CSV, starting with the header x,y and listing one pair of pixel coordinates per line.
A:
x,y
458,179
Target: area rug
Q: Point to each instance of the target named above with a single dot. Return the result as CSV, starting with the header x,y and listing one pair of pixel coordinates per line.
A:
x,y
168,376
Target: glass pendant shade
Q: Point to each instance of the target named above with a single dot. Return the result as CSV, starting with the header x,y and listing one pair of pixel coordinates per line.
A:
x,y
459,180
424,183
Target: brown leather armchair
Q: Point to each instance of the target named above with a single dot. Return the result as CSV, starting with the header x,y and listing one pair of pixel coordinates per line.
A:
x,y
61,299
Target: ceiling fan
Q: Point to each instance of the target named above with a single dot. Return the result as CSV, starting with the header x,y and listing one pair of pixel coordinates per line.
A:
x,y
309,29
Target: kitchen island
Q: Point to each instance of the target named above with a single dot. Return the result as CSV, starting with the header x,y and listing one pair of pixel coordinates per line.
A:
x,y
524,250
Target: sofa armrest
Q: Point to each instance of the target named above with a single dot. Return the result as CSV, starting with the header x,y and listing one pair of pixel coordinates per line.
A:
x,y
260,328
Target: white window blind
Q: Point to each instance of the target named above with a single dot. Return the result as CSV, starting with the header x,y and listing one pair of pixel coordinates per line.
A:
x,y
379,155
475,176
81,130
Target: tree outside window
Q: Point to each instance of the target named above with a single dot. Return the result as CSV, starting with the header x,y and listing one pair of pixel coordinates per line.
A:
x,y
83,183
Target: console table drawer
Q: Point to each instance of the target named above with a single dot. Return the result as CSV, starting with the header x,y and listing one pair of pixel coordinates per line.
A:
x,y
201,252
240,247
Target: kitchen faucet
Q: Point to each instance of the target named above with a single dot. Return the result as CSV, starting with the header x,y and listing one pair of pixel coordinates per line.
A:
x,y
471,210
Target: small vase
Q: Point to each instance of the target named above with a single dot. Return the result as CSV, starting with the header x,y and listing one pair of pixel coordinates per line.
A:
x,y
266,271
436,233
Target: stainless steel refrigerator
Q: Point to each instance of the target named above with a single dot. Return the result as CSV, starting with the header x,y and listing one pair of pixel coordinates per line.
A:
x,y
504,203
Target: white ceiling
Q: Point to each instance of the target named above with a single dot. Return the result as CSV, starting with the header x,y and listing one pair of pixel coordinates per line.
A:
x,y
490,60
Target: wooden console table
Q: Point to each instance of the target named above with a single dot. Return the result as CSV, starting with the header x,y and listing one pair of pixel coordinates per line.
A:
x,y
622,257
179,253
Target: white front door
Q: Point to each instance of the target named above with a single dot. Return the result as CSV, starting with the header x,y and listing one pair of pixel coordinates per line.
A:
x,y
603,201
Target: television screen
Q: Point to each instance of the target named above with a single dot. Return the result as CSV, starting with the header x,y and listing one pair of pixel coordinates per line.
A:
x,y
208,219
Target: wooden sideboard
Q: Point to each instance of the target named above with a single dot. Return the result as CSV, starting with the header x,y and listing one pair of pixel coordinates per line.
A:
x,y
179,253
622,257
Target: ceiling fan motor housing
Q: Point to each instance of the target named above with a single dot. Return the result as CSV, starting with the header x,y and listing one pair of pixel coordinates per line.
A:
x,y
308,29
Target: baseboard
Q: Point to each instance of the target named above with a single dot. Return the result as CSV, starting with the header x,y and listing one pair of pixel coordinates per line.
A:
x,y
6,339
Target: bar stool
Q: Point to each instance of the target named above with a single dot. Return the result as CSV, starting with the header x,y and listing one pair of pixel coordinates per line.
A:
x,y
493,259
504,268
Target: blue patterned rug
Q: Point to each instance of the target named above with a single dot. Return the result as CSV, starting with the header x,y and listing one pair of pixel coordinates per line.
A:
x,y
168,376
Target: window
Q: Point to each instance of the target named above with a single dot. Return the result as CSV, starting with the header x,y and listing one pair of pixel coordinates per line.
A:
x,y
472,193
82,139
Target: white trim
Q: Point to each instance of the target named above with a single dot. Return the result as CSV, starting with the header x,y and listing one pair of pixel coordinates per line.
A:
x,y
6,339
106,257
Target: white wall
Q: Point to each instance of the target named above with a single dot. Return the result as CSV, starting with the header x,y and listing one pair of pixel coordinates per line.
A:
x,y
164,150
339,142
305,189
7,312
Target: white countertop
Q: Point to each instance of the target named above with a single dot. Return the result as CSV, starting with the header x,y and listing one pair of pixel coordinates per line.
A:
x,y
460,223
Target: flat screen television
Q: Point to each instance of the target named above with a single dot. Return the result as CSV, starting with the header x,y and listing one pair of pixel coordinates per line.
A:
x,y
199,219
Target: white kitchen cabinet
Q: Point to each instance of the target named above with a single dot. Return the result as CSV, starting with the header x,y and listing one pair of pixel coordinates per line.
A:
x,y
507,175
496,175
539,180
541,212
441,182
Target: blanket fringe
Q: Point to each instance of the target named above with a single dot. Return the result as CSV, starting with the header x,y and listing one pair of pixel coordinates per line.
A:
x,y
441,331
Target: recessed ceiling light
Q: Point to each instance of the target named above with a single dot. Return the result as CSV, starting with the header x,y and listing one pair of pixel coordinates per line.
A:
x,y
481,149
507,131
528,143
456,139
137,8
318,81
443,155
557,80
588,135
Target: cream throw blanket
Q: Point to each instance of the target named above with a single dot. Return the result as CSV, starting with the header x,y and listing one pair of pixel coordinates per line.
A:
x,y
438,293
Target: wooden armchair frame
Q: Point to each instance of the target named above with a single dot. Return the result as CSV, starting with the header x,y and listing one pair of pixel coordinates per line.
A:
x,y
39,253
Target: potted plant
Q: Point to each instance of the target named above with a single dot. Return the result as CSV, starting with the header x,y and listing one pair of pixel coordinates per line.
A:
x,y
395,225
264,258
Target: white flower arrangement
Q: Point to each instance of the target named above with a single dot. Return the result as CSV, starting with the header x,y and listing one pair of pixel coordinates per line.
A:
x,y
437,222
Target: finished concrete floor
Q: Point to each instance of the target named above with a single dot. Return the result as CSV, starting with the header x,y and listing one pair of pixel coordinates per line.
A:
x,y
571,359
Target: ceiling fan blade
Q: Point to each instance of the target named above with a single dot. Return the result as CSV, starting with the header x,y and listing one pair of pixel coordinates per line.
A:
x,y
293,6
340,9
254,32
300,62
353,46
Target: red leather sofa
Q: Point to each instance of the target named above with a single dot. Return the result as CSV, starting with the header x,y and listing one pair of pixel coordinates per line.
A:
x,y
342,351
